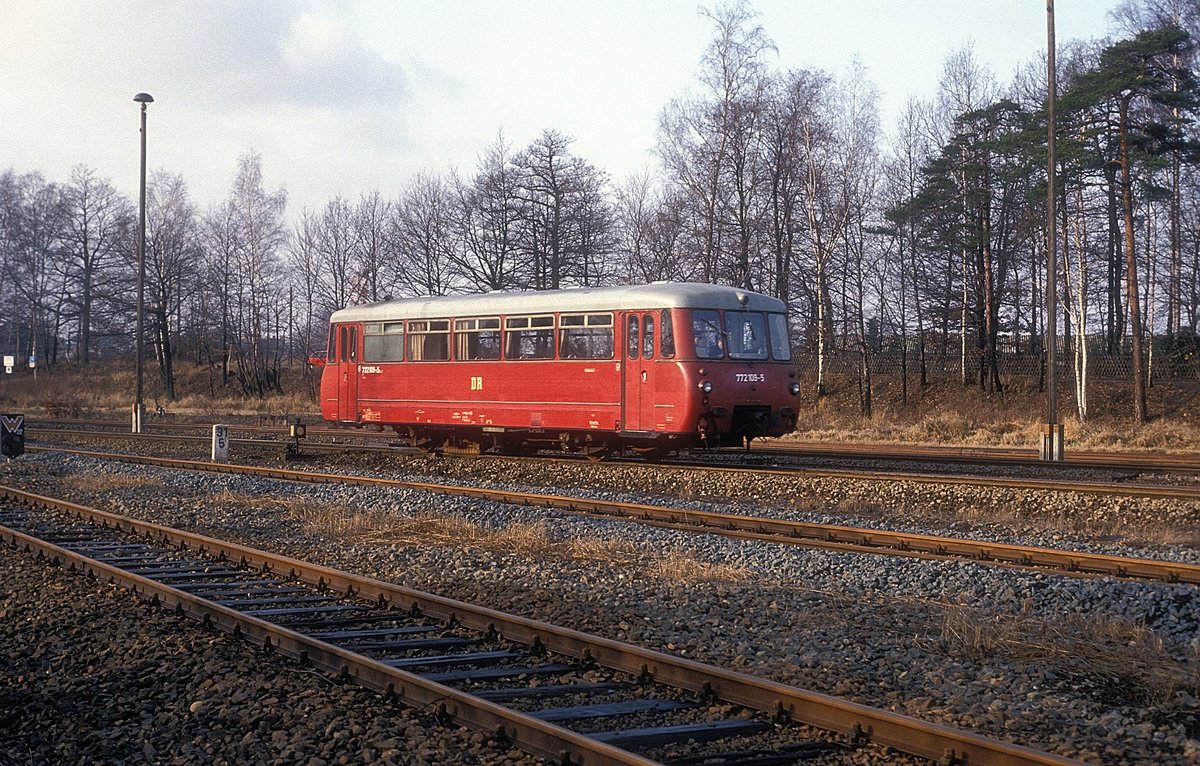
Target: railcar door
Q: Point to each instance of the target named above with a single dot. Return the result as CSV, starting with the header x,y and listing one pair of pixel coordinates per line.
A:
x,y
638,410
631,384
347,372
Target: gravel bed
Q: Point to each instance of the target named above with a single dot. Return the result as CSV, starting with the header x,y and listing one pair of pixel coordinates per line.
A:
x,y
1156,528
1093,669
90,675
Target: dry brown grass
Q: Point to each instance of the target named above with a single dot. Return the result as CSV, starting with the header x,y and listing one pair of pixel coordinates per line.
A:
x,y
102,483
682,565
532,539
1096,647
949,413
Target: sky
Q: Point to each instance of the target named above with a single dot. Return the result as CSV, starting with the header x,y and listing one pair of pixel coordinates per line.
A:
x,y
342,98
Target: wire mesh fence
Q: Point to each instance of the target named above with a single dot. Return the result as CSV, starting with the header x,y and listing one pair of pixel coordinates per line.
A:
x,y
1167,359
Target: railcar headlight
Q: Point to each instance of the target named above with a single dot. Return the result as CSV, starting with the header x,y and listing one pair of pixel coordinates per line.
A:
x,y
706,386
794,388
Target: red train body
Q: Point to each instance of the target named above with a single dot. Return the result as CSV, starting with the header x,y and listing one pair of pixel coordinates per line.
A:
x,y
656,368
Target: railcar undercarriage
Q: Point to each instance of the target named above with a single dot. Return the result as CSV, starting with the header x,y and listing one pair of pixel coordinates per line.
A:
x,y
489,440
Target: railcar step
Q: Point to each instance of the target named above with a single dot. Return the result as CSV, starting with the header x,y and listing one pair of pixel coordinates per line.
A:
x,y
667,735
336,635
581,712
454,660
491,674
550,690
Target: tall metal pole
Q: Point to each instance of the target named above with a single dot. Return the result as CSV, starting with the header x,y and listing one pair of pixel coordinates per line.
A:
x,y
139,406
1052,436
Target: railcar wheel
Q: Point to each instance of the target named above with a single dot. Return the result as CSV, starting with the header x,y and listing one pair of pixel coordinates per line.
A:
x,y
650,454
596,454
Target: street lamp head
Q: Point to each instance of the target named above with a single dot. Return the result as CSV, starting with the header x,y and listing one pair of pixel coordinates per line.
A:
x,y
144,98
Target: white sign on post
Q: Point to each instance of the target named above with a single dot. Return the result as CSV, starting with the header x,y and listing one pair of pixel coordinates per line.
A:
x,y
9,362
220,444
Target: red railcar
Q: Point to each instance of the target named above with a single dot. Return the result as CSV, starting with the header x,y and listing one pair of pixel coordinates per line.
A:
x,y
656,368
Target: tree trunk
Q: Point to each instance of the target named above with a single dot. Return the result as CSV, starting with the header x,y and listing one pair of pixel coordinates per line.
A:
x,y
1131,280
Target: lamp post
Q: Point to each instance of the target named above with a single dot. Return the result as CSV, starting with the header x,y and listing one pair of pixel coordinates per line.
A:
x,y
1052,432
139,404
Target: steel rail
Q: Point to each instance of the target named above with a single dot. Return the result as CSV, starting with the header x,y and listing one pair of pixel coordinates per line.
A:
x,y
860,723
784,531
1157,463
1165,491
966,455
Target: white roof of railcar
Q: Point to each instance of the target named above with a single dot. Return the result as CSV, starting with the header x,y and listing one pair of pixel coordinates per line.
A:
x,y
657,295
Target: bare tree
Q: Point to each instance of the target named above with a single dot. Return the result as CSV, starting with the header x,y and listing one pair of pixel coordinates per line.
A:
x,y
96,235
710,145
488,213
172,254
372,216
421,230
245,237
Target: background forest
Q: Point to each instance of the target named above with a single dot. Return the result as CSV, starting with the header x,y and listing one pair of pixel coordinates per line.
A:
x,y
908,253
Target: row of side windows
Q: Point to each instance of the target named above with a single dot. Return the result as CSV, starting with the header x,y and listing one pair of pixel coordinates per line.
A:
x,y
572,336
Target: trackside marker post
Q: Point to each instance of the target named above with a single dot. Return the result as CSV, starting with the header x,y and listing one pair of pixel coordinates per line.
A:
x,y
220,444
12,436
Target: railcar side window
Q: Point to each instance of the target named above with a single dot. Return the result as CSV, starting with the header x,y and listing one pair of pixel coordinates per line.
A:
x,y
529,337
648,336
429,340
666,341
781,347
747,334
477,339
383,342
585,336
631,337
707,333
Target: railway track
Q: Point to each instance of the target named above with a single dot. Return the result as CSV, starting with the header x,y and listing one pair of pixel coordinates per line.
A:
x,y
982,456
471,664
782,531
1111,488
991,456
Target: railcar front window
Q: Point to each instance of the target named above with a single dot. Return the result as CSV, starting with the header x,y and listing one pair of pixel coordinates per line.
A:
x,y
707,334
477,339
648,336
747,335
331,348
666,329
383,342
631,337
585,336
529,337
781,346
